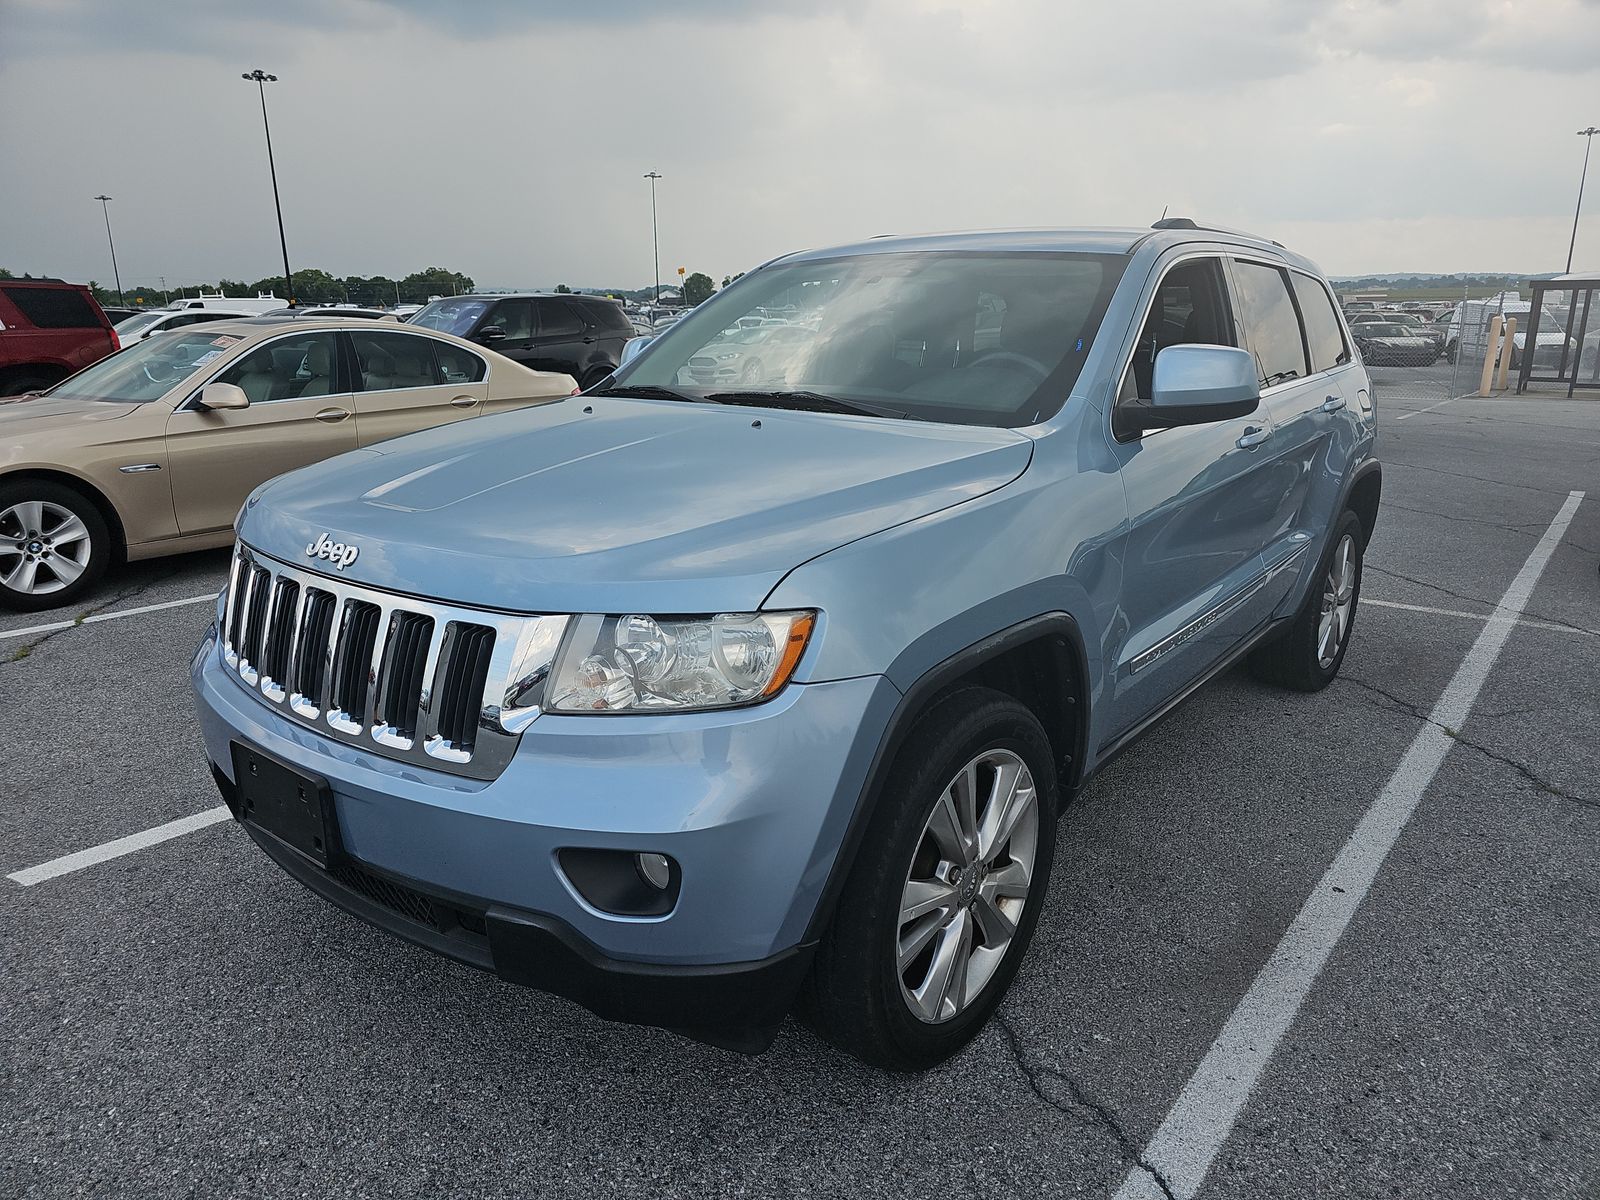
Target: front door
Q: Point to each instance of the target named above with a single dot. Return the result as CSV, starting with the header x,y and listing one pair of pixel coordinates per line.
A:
x,y
298,415
1201,507
402,387
509,329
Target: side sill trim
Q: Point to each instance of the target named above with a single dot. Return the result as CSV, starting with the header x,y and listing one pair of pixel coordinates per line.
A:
x,y
1213,614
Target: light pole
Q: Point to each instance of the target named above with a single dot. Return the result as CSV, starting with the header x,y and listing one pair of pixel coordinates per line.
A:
x,y
1588,139
106,212
261,79
655,237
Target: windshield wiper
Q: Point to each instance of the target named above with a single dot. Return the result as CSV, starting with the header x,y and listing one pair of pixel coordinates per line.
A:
x,y
646,391
806,402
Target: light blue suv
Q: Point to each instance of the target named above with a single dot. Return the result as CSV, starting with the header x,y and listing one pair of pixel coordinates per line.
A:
x,y
754,678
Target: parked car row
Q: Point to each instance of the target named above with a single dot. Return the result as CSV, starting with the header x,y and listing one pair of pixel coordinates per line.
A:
x,y
152,450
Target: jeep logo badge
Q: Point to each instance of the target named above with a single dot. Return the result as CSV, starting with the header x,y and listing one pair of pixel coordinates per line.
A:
x,y
339,554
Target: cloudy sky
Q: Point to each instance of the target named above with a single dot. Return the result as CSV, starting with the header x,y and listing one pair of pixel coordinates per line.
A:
x,y
507,138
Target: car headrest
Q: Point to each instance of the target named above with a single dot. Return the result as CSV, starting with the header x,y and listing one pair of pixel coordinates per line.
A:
x,y
286,360
379,363
408,364
319,360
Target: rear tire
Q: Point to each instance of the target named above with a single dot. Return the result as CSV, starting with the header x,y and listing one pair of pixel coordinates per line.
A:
x,y
54,545
1307,657
905,993
595,376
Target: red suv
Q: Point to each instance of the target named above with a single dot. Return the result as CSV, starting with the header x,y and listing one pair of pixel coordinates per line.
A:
x,y
48,330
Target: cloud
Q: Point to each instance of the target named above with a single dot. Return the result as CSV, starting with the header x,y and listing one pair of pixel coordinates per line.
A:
x,y
514,150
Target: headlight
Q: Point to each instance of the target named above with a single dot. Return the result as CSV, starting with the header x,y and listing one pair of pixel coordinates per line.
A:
x,y
636,663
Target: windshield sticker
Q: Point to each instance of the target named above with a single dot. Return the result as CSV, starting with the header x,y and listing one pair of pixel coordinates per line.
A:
x,y
224,340
205,358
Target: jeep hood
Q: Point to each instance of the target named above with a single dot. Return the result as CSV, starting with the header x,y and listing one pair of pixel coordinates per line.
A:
x,y
616,505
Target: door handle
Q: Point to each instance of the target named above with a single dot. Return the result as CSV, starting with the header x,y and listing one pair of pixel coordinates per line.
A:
x,y
333,415
1253,437
1333,404
464,401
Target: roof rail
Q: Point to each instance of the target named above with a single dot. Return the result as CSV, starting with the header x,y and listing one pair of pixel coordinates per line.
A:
x,y
1188,223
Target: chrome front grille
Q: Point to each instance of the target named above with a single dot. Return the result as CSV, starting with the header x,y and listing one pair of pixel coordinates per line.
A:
x,y
443,686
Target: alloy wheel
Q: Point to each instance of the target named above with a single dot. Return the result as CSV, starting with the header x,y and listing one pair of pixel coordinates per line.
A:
x,y
967,885
1338,601
44,547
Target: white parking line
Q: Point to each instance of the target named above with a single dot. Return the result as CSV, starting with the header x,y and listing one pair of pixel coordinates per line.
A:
x,y
105,616
1202,1117
69,863
1415,412
1472,616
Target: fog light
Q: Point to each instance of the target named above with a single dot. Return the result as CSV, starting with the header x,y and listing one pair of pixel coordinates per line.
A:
x,y
654,869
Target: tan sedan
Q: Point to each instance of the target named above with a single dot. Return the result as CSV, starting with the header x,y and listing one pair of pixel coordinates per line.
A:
x,y
153,450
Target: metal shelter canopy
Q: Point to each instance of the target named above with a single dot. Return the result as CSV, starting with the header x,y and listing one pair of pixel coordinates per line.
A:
x,y
1565,308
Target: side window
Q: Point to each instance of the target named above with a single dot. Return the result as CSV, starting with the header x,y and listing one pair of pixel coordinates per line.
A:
x,y
392,361
288,369
53,307
515,317
1190,307
1267,313
1323,334
559,319
457,365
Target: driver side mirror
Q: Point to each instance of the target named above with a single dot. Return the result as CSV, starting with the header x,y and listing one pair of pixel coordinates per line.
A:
x,y
1195,385
491,333
223,396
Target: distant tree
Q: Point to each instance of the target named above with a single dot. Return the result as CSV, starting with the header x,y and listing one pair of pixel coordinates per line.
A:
x,y
698,287
5,274
434,281
563,290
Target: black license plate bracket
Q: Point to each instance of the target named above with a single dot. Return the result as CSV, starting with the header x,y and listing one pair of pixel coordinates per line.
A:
x,y
292,806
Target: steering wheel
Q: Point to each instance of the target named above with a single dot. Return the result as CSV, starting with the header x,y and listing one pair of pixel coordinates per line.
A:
x,y
1011,358
171,374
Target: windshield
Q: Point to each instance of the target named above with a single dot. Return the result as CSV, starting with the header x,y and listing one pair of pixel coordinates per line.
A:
x,y
969,338
146,370
455,316
129,326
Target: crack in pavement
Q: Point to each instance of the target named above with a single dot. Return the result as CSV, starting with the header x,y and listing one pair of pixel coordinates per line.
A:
x,y
1080,1100
1529,527
1406,708
25,650
1527,613
1527,487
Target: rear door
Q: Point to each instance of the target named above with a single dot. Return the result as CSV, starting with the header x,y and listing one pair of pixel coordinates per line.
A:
x,y
563,340
409,381
301,411
1302,402
1202,504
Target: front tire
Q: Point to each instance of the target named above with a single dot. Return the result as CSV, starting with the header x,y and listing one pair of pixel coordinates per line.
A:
x,y
1308,656
946,889
54,545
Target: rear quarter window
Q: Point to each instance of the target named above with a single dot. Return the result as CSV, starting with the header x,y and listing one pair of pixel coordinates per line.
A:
x,y
54,308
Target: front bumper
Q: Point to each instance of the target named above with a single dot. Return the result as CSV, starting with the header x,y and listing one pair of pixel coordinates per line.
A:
x,y
752,804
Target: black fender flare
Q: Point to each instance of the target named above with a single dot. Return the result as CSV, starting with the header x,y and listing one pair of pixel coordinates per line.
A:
x,y
1062,634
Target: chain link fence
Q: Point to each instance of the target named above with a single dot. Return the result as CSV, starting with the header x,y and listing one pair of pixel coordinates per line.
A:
x,y
1422,353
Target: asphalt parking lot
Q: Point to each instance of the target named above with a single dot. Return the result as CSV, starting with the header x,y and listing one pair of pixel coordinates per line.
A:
x,y
187,1020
